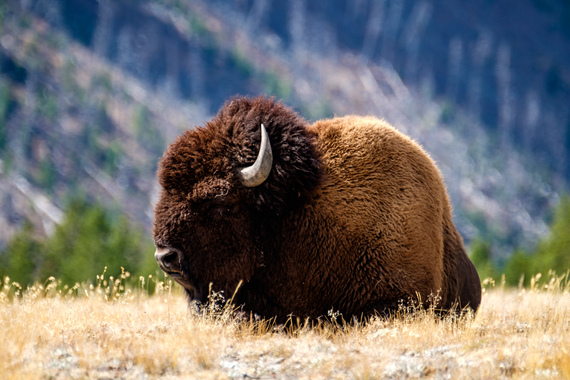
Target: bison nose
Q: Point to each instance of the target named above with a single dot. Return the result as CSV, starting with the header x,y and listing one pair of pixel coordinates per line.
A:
x,y
168,260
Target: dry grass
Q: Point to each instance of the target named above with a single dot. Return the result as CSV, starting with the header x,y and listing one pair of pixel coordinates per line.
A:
x,y
100,332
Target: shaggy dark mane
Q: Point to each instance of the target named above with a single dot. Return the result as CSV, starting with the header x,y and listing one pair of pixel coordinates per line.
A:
x,y
231,140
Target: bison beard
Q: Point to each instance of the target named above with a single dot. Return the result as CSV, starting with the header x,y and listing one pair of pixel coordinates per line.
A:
x,y
350,215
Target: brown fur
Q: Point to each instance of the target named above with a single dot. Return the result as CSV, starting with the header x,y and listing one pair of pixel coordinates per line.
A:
x,y
353,217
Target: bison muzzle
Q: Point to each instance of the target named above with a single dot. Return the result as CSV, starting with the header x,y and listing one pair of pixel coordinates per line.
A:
x,y
288,218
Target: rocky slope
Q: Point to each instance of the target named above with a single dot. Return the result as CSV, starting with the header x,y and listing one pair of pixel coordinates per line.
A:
x,y
92,92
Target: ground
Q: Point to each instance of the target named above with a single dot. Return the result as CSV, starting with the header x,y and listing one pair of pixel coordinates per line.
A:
x,y
101,333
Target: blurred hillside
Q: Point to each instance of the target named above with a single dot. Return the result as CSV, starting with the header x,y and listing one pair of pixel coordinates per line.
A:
x,y
91,93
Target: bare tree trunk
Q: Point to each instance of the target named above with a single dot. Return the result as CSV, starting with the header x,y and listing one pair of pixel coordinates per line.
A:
x,y
413,34
480,54
556,134
103,31
391,27
454,67
256,16
531,119
505,106
297,27
321,38
197,74
130,55
171,81
21,137
373,29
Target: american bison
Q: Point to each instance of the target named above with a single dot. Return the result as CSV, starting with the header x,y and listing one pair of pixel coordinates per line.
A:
x,y
346,214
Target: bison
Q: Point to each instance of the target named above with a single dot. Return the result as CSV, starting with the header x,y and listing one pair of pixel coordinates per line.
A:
x,y
346,214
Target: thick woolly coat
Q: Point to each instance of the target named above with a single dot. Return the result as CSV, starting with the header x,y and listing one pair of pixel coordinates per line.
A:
x,y
354,216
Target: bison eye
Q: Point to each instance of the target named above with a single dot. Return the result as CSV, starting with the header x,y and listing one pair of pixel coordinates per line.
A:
x,y
219,209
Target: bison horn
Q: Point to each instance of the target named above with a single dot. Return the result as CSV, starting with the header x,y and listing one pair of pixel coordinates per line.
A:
x,y
257,173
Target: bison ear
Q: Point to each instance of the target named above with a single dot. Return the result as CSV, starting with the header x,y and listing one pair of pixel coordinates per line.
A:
x,y
256,174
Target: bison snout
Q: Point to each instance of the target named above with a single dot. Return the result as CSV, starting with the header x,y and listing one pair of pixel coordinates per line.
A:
x,y
168,260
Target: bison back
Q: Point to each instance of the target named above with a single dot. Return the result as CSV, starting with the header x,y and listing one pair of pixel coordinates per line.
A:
x,y
378,229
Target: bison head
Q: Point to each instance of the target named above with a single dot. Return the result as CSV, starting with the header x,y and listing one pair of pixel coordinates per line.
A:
x,y
225,189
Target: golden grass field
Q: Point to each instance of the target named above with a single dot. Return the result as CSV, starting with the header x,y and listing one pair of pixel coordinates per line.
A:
x,y
100,333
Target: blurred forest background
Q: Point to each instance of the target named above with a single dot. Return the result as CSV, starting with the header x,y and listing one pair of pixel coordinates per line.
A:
x,y
92,92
